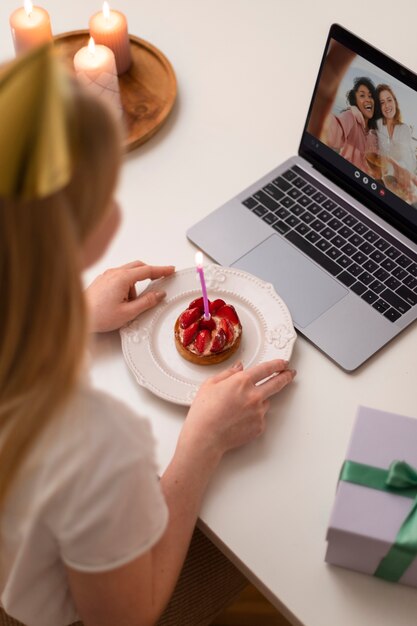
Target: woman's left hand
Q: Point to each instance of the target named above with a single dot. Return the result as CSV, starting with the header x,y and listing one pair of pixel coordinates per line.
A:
x,y
112,299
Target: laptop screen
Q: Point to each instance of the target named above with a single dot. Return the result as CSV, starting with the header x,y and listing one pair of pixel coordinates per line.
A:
x,y
361,130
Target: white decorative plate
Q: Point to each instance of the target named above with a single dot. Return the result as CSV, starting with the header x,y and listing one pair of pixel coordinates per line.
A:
x,y
148,341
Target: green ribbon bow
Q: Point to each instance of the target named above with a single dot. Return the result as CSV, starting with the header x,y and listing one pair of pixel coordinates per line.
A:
x,y
399,479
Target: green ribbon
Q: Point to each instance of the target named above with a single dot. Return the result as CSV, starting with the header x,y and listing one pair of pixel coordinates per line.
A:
x,y
399,479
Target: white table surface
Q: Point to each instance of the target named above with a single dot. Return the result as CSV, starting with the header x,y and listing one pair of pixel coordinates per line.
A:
x,y
245,71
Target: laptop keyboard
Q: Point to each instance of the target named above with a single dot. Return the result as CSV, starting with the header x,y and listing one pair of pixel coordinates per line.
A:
x,y
360,255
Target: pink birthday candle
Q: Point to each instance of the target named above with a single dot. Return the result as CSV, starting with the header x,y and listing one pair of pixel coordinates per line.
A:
x,y
200,271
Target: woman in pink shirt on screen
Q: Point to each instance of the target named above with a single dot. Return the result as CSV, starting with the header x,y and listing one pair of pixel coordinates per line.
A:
x,y
350,131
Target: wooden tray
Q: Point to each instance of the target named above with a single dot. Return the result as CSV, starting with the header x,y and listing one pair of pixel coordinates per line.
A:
x,y
148,90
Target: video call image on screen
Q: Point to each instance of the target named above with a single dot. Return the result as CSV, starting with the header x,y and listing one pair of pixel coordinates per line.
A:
x,y
372,122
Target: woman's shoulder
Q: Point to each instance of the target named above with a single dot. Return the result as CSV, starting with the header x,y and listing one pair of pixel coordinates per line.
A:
x,y
352,118
98,404
346,114
96,410
93,421
403,130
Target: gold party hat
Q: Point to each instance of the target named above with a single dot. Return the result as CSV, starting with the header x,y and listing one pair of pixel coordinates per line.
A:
x,y
35,137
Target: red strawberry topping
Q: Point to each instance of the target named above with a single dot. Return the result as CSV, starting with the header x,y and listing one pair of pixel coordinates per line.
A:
x,y
225,325
228,311
189,316
202,340
219,341
189,334
215,305
199,303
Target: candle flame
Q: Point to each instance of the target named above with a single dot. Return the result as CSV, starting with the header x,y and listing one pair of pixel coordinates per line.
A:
x,y
199,259
106,10
28,7
92,46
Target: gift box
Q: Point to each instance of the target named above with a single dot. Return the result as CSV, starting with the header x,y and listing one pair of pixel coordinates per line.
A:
x,y
373,524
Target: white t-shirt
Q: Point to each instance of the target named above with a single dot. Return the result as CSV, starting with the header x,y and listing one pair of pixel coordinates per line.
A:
x,y
88,496
399,147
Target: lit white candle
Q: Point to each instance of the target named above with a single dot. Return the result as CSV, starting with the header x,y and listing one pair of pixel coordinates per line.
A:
x,y
200,271
109,27
95,67
31,27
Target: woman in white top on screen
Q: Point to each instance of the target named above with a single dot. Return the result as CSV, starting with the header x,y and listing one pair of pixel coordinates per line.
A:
x,y
86,528
394,137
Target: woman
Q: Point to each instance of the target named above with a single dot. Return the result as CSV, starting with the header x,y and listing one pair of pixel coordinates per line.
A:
x,y
349,132
86,528
394,137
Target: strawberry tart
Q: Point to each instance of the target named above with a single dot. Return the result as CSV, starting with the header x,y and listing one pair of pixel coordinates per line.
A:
x,y
206,342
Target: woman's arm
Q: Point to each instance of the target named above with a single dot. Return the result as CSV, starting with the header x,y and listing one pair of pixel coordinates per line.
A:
x,y
228,411
336,64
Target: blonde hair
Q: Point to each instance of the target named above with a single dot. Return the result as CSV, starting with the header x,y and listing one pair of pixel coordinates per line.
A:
x,y
43,323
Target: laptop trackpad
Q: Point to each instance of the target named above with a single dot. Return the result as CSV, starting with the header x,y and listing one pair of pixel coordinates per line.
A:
x,y
305,288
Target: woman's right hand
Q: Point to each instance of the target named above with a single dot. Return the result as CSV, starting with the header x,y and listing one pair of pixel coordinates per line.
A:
x,y
229,408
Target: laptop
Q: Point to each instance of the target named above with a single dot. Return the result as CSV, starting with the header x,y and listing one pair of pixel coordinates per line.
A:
x,y
334,229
